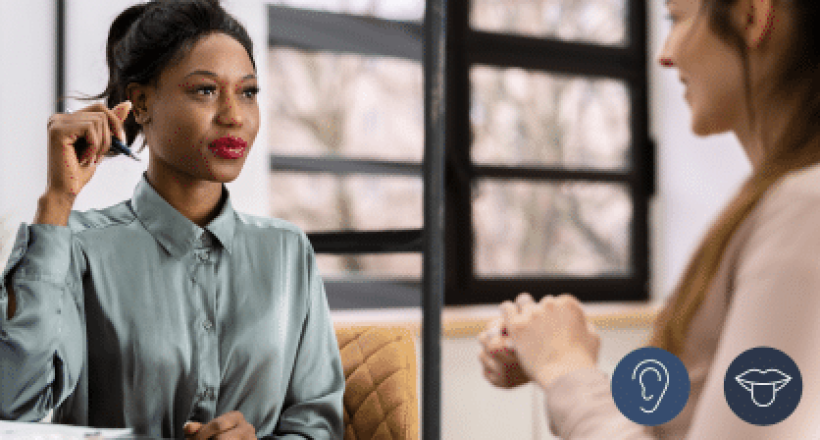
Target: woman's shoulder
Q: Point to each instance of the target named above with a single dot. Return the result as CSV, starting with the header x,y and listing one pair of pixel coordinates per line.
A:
x,y
269,226
789,211
100,219
804,183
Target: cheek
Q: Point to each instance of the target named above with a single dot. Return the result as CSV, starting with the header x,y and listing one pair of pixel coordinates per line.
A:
x,y
256,122
181,141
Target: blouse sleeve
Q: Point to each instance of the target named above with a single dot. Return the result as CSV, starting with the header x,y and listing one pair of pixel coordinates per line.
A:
x,y
313,404
775,303
580,406
42,346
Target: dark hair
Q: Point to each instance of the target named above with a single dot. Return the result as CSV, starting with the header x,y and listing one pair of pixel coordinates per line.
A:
x,y
797,80
146,38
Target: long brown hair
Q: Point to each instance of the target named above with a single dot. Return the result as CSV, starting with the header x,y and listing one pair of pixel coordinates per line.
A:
x,y
798,78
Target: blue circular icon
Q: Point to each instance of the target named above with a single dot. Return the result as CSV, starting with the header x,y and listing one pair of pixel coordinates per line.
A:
x,y
650,386
763,386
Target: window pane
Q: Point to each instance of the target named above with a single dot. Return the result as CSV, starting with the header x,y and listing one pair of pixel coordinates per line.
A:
x,y
327,104
327,202
522,117
589,21
536,229
403,10
373,266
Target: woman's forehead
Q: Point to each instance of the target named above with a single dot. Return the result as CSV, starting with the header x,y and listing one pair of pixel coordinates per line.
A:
x,y
218,53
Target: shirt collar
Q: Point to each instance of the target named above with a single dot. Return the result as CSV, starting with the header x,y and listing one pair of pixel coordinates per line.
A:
x,y
175,232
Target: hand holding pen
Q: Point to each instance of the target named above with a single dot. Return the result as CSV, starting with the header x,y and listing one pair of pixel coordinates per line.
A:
x,y
76,144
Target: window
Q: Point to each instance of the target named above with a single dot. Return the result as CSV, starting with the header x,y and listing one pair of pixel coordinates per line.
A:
x,y
347,142
549,162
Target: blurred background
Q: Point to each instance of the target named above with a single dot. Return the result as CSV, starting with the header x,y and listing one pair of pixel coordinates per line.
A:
x,y
571,166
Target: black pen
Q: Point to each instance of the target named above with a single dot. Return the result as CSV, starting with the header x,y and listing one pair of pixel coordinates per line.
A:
x,y
116,145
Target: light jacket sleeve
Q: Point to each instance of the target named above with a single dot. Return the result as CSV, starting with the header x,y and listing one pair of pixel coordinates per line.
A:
x,y
42,346
313,405
580,406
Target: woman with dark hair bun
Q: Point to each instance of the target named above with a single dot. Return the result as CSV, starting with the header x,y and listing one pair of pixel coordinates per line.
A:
x,y
169,313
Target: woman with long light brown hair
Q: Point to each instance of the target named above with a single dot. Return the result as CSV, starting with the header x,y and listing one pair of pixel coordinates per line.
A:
x,y
750,67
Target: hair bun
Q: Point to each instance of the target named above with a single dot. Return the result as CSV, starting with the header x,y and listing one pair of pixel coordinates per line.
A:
x,y
122,24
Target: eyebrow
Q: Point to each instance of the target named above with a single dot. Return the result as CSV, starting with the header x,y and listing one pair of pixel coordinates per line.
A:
x,y
213,75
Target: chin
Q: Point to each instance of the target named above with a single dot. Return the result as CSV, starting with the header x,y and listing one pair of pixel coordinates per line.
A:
x,y
225,174
706,125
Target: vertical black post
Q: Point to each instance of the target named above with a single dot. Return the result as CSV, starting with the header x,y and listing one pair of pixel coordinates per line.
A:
x,y
59,49
435,33
643,148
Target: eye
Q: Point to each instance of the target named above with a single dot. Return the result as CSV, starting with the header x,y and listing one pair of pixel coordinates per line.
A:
x,y
251,92
203,89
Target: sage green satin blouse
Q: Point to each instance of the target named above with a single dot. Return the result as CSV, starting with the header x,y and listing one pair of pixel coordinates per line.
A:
x,y
134,316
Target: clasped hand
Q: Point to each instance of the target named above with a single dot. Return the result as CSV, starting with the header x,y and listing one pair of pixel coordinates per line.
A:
x,y
538,341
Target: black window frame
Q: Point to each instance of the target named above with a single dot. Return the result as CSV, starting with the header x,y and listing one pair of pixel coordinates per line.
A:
x,y
547,55
467,47
311,30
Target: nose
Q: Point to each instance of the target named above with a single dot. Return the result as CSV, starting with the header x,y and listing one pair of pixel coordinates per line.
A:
x,y
665,61
230,113
664,57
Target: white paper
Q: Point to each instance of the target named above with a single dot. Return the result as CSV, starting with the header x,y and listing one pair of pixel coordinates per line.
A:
x,y
56,431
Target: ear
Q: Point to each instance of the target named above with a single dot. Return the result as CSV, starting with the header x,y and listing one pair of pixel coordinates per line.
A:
x,y
757,20
140,96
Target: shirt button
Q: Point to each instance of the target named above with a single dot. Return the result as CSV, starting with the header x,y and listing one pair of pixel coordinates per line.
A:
x,y
203,255
209,393
207,324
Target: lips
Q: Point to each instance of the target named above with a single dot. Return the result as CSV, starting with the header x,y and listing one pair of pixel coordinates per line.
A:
x,y
228,147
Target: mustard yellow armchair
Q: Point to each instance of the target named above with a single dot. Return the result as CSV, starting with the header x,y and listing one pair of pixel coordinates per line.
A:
x,y
380,399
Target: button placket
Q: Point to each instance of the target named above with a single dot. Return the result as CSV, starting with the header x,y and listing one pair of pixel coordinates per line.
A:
x,y
203,255
209,393
209,371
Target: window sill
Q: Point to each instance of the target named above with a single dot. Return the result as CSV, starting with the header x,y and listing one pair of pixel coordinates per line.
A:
x,y
469,321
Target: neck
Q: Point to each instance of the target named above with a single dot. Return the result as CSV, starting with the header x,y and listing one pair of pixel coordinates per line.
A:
x,y
196,199
760,138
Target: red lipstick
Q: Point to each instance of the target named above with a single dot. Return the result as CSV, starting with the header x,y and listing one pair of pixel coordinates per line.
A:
x,y
229,147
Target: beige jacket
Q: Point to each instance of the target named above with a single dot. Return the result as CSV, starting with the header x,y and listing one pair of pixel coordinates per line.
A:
x,y
766,293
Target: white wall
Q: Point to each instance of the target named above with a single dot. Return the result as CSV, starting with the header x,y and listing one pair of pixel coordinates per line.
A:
x,y
26,101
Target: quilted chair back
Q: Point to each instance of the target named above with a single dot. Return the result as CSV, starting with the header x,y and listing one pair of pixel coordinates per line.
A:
x,y
380,399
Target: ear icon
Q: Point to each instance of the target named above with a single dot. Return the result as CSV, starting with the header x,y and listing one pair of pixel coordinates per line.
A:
x,y
662,378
